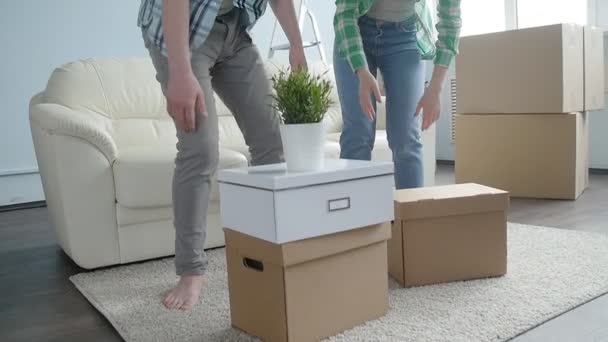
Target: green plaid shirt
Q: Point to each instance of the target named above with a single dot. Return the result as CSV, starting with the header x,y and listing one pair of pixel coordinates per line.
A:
x,y
442,49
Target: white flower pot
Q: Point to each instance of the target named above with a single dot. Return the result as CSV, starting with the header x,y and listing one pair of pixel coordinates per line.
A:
x,y
303,146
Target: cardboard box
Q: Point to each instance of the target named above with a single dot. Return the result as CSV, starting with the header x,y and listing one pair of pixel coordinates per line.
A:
x,y
278,206
448,233
537,156
310,289
533,70
594,68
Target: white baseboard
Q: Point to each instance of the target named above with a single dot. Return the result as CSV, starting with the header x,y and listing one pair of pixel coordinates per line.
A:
x,y
20,188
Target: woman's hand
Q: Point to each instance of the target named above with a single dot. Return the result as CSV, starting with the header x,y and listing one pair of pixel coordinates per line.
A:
x,y
368,87
430,105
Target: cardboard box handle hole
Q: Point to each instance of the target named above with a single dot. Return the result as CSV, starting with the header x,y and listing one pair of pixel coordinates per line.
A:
x,y
252,264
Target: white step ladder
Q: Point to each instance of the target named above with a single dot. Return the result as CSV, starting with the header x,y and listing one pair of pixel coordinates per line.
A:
x,y
302,13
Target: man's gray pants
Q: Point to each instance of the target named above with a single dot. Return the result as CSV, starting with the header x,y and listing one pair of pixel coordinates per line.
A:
x,y
229,64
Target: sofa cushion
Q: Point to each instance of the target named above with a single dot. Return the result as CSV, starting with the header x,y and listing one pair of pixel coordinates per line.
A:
x,y
133,216
381,151
143,174
333,119
229,132
101,86
380,137
231,135
332,150
128,133
132,132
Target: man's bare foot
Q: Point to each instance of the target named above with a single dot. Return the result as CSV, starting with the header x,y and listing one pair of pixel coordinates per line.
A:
x,y
185,294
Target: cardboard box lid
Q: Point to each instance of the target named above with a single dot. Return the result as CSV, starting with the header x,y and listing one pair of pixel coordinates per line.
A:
x,y
293,253
276,176
457,199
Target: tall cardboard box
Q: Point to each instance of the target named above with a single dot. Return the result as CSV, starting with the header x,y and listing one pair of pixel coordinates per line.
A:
x,y
532,70
448,233
310,289
594,68
536,156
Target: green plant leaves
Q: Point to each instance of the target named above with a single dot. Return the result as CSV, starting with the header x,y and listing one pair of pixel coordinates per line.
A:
x,y
301,97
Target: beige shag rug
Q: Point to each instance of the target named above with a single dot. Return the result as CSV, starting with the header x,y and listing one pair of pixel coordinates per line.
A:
x,y
550,271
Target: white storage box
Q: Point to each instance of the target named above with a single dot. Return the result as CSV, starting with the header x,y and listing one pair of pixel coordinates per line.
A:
x,y
272,204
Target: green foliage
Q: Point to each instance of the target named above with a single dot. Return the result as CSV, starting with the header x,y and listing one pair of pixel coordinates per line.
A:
x,y
301,97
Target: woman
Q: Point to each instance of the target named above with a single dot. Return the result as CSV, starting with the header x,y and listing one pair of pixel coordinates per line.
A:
x,y
393,36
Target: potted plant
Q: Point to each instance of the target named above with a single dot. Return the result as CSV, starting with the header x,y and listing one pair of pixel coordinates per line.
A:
x,y
302,99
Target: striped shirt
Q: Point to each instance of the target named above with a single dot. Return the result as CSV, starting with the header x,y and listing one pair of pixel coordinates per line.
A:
x,y
442,49
202,18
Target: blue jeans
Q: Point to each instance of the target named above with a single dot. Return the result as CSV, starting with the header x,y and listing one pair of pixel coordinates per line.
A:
x,y
392,48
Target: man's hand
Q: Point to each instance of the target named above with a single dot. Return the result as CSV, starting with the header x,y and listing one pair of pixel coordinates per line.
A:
x,y
430,105
184,94
185,99
297,59
368,87
286,15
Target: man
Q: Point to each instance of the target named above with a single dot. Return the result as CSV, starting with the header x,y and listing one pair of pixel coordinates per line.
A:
x,y
198,47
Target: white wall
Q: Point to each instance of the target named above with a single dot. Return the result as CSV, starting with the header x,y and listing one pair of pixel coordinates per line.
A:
x,y
323,10
598,125
599,120
36,36
601,13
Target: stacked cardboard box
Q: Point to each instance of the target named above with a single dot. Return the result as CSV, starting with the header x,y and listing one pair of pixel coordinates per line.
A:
x,y
309,289
523,98
307,252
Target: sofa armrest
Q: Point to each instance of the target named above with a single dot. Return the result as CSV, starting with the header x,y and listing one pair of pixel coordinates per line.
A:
x,y
91,127
75,152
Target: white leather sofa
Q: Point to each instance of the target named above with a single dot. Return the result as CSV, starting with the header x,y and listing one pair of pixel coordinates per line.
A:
x,y
105,148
